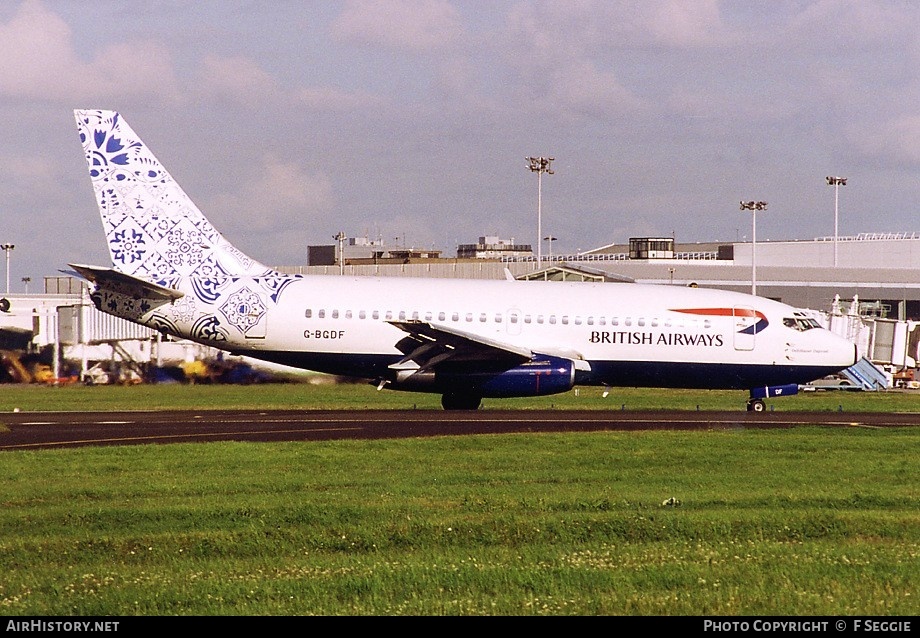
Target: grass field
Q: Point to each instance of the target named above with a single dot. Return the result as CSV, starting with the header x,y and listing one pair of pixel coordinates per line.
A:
x,y
808,521
308,396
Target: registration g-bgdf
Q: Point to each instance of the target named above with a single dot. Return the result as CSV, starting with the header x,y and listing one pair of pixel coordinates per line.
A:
x,y
323,334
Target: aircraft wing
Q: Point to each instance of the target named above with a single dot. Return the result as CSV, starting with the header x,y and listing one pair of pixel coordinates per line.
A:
x,y
429,345
138,288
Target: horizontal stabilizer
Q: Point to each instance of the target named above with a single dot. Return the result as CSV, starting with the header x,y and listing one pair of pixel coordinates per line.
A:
x,y
110,278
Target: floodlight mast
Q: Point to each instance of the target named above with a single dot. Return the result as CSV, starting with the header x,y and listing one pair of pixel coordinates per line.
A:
x,y
753,207
7,248
836,182
341,237
550,239
540,165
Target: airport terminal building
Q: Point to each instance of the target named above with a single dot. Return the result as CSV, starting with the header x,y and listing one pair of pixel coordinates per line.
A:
x,y
866,288
880,271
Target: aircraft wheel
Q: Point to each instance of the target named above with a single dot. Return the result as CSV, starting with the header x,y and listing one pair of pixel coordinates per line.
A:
x,y
756,405
460,402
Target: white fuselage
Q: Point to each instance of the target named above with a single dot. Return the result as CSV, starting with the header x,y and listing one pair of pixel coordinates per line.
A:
x,y
341,325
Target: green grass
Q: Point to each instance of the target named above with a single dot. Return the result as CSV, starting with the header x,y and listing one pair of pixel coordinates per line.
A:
x,y
807,521
797,522
305,396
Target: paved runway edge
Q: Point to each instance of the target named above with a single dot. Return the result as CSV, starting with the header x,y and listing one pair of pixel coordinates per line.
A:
x,y
37,430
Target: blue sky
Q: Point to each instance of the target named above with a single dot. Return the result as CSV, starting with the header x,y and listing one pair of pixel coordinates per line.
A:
x,y
410,120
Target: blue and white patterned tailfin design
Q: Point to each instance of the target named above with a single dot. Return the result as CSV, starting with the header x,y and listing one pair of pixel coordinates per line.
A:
x,y
153,229
156,233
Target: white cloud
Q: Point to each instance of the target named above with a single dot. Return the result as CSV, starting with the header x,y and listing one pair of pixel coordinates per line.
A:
x,y
237,79
679,23
282,199
403,25
28,169
39,61
898,139
554,55
324,98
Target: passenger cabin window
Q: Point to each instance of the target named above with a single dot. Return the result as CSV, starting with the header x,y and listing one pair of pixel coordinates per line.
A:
x,y
321,314
309,313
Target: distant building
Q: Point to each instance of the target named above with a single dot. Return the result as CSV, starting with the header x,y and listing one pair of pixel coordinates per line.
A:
x,y
651,248
321,255
361,250
491,247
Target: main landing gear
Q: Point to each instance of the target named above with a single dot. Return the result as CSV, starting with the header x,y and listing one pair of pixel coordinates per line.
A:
x,y
458,401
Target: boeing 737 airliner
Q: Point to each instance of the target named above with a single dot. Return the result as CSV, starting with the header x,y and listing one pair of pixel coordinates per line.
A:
x,y
464,339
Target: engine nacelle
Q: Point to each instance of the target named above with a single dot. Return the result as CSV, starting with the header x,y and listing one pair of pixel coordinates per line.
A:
x,y
542,376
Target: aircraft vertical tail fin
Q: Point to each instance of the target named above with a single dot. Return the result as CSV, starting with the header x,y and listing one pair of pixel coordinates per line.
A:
x,y
154,231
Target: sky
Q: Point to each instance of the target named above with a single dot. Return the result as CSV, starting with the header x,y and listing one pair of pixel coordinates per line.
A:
x,y
409,121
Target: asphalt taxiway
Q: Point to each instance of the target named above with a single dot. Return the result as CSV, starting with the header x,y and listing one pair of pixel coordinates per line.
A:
x,y
37,430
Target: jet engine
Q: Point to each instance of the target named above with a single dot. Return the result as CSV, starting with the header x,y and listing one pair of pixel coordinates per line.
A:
x,y
541,376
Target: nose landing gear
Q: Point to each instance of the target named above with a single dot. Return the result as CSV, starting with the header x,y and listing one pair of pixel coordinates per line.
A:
x,y
756,404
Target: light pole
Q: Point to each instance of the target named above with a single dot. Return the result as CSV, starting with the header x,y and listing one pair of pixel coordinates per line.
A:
x,y
540,165
836,182
550,239
7,248
753,207
340,237
26,281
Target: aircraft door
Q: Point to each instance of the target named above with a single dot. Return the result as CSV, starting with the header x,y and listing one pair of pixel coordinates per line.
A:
x,y
745,320
513,325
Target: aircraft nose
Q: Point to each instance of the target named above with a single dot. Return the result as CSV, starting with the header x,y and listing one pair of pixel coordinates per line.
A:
x,y
847,350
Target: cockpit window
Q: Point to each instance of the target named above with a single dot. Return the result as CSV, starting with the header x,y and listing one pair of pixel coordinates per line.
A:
x,y
800,323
